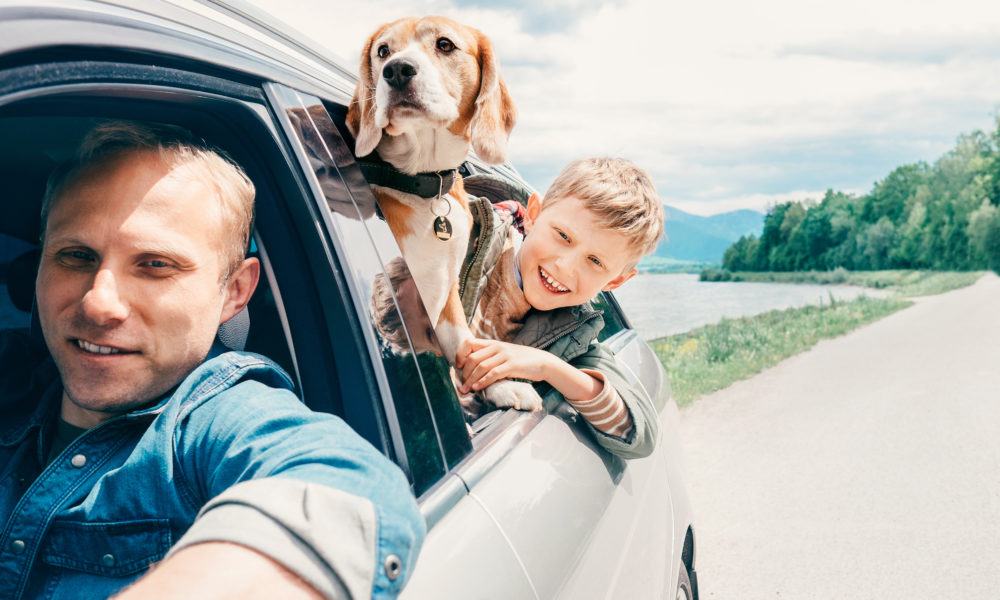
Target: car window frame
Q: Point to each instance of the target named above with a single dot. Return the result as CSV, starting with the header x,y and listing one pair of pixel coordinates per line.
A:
x,y
108,82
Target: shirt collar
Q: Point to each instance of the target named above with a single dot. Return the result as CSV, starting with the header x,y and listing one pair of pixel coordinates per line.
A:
x,y
517,260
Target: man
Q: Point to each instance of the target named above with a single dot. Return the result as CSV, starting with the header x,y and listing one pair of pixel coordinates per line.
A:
x,y
146,437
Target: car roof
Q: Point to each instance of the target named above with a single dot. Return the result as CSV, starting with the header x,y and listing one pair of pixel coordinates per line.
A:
x,y
230,34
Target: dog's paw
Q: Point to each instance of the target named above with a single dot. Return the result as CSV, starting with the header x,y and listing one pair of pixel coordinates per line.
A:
x,y
513,394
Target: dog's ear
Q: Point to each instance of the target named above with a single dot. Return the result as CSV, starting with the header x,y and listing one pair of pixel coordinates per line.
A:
x,y
361,112
495,112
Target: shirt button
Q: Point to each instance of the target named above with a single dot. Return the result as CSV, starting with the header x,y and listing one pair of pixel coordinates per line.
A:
x,y
78,461
393,567
108,560
17,546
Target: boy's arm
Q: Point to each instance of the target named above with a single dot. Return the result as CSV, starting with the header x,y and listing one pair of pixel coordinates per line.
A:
x,y
590,393
593,380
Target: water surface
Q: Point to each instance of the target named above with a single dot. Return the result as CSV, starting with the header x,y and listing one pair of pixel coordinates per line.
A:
x,y
668,303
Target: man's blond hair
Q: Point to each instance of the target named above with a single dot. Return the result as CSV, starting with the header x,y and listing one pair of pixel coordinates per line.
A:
x,y
619,194
191,156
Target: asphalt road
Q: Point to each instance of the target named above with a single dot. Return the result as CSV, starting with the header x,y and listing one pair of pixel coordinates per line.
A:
x,y
868,467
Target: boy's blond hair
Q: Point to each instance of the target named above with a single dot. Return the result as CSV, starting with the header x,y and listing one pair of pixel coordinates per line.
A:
x,y
619,194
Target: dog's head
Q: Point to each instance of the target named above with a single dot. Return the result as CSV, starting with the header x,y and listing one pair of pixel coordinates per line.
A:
x,y
431,73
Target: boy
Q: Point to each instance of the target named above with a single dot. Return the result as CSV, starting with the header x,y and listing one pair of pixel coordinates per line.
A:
x,y
599,217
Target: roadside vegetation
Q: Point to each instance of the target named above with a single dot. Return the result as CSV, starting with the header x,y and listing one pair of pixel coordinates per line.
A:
x,y
902,282
943,216
661,264
715,356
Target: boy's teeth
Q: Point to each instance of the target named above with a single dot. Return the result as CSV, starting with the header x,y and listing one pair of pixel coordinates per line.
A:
x,y
94,348
553,282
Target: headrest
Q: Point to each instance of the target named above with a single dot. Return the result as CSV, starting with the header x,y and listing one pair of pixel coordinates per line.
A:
x,y
21,274
234,332
24,188
495,188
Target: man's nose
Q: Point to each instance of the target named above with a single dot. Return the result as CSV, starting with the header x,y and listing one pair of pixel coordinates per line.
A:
x,y
103,303
398,73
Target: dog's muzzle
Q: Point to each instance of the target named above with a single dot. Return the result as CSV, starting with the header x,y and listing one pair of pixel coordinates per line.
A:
x,y
398,73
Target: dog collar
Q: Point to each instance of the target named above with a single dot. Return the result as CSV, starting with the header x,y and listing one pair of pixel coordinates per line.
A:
x,y
425,185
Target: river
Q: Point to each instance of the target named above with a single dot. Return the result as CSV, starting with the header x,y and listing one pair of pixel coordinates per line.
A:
x,y
665,304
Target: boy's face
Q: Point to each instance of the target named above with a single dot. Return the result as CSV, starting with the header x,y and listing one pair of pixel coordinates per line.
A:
x,y
568,257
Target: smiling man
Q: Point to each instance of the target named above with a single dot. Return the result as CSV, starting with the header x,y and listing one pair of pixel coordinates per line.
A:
x,y
148,437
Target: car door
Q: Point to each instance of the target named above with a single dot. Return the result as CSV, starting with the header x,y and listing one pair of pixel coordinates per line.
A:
x,y
464,546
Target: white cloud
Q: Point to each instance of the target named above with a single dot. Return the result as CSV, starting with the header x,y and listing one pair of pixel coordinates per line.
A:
x,y
725,102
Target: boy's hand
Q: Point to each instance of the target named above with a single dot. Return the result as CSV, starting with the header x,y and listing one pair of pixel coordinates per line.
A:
x,y
483,362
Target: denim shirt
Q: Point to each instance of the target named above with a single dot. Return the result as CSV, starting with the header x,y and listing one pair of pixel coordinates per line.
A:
x,y
119,496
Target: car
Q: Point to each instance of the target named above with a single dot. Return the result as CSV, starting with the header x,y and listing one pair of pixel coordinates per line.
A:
x,y
517,504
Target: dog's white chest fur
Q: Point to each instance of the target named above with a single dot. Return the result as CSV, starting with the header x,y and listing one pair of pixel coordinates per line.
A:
x,y
431,260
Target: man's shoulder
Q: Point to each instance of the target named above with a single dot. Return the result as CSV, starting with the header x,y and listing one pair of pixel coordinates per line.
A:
x,y
233,374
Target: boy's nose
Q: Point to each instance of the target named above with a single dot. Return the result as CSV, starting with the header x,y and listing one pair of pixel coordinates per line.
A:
x,y
103,304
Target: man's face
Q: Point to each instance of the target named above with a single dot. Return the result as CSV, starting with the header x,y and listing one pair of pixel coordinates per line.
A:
x,y
567,257
128,287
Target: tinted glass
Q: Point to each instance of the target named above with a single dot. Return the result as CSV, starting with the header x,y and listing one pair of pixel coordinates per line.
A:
x,y
613,320
423,414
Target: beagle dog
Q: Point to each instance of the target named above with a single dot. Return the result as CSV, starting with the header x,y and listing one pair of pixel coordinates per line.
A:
x,y
429,89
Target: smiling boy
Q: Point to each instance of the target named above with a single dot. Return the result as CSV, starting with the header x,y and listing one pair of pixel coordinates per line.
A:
x,y
598,218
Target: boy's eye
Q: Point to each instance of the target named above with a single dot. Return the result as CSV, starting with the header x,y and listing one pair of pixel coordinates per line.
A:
x,y
562,235
596,261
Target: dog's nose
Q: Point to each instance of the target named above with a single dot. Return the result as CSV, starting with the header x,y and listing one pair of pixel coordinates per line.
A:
x,y
399,72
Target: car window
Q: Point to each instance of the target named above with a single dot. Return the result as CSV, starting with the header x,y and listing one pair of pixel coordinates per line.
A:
x,y
423,410
614,321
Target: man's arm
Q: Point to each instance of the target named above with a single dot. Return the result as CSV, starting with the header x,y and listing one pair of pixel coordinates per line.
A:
x,y
219,570
299,487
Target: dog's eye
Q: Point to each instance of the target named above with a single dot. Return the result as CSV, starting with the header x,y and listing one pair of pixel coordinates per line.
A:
x,y
383,51
445,45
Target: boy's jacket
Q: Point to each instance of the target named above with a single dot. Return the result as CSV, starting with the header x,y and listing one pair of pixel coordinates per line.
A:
x,y
570,332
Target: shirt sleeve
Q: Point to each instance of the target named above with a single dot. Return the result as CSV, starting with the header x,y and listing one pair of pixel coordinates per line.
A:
x,y
645,421
606,411
300,487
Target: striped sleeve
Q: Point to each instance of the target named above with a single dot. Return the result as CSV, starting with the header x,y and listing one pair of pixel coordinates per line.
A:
x,y
606,411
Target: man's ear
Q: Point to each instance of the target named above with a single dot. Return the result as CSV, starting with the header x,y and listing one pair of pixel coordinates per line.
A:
x,y
617,281
361,112
533,209
240,288
495,112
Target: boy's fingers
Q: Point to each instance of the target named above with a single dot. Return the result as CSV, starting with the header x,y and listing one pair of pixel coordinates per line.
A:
x,y
491,377
473,360
465,348
482,369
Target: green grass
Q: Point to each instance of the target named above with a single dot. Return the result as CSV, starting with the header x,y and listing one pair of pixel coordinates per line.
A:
x,y
905,283
713,357
660,264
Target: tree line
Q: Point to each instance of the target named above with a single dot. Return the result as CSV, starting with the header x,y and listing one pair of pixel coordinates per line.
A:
x,y
940,216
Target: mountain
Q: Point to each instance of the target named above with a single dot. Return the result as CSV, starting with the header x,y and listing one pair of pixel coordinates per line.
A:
x,y
705,239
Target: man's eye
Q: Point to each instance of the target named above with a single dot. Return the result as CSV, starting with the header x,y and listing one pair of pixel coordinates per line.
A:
x,y
383,51
445,45
75,258
155,264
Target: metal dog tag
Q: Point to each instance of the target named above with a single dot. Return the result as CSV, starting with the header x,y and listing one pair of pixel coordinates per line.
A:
x,y
442,229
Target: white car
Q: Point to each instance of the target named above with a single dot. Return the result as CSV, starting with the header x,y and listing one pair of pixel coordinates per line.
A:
x,y
523,505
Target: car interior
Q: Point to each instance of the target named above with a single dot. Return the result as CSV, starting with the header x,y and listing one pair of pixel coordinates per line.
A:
x,y
32,146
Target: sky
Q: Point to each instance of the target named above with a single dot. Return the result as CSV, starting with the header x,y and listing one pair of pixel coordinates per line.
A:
x,y
728,104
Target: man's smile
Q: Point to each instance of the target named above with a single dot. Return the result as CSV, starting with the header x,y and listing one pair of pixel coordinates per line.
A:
x,y
93,349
